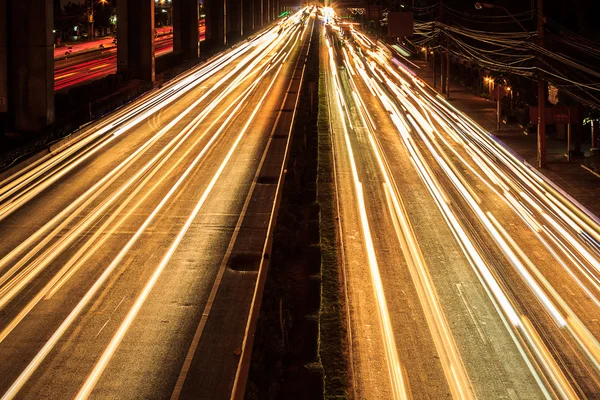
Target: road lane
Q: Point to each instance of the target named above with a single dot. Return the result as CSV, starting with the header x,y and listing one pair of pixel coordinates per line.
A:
x,y
124,231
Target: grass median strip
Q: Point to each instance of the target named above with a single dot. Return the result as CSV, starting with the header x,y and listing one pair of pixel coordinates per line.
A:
x,y
333,329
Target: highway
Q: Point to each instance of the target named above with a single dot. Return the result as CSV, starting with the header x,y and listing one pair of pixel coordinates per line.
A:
x,y
88,66
117,272
467,274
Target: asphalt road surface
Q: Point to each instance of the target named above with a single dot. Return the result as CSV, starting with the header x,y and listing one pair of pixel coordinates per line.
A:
x,y
468,275
115,272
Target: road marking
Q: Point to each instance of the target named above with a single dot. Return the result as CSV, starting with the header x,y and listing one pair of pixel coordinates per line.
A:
x,y
99,66
101,329
470,311
64,76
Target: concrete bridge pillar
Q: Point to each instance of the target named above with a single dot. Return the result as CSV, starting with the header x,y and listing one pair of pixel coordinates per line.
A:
x,y
27,63
248,11
3,58
185,28
234,20
267,10
135,38
216,13
258,14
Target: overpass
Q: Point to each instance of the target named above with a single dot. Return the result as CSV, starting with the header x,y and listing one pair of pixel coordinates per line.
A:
x,y
26,46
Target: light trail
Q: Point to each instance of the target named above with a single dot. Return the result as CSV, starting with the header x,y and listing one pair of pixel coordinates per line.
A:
x,y
101,235
554,374
397,379
127,118
469,173
452,364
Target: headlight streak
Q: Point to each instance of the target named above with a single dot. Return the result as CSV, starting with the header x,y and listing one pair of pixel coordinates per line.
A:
x,y
545,193
454,369
475,258
559,382
282,56
529,219
393,362
451,361
582,335
583,338
496,292
585,341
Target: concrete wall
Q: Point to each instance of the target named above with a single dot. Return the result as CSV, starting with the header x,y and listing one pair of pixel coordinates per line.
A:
x,y
266,12
248,10
258,14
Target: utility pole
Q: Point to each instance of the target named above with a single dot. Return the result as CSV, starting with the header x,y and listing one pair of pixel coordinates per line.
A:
x,y
91,21
497,106
433,68
447,70
442,59
541,150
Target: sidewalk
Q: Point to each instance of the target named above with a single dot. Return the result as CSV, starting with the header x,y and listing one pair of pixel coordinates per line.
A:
x,y
571,177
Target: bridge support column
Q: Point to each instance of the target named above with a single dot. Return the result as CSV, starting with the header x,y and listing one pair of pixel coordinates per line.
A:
x,y
267,10
30,63
258,14
3,58
185,28
234,20
135,38
216,13
248,11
